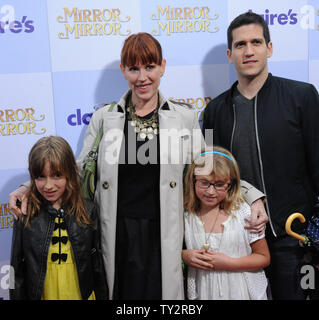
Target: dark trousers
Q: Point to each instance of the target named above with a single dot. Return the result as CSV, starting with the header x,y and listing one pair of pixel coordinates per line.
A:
x,y
284,273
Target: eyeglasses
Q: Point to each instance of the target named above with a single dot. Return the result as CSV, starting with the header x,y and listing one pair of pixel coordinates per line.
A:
x,y
219,185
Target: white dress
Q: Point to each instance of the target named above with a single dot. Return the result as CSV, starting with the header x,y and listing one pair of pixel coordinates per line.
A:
x,y
235,242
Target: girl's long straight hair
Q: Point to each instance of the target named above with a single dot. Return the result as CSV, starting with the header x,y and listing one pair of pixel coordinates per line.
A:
x,y
58,153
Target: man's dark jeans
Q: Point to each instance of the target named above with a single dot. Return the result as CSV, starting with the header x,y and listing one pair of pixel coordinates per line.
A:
x,y
287,258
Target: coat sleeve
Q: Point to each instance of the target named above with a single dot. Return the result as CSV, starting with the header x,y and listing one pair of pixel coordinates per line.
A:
x,y
207,127
18,290
99,275
310,130
250,193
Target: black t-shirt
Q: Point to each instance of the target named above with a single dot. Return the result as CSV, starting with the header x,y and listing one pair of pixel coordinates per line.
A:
x,y
244,147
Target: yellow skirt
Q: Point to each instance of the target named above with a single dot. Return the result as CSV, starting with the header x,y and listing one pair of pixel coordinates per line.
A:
x,y
61,280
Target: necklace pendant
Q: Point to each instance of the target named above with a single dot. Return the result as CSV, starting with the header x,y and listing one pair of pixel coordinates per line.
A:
x,y
206,246
143,135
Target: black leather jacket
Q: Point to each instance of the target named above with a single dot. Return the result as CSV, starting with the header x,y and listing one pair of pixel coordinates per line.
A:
x,y
29,254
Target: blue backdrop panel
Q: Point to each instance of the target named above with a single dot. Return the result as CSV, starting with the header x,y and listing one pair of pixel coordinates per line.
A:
x,y
26,114
297,70
24,37
313,73
75,94
311,21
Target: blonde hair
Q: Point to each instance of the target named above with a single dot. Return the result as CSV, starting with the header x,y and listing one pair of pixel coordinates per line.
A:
x,y
222,167
60,156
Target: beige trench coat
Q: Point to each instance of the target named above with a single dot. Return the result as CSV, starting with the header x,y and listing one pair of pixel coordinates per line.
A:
x,y
179,121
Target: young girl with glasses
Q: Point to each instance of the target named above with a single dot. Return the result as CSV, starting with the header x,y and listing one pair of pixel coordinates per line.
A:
x,y
55,250
224,259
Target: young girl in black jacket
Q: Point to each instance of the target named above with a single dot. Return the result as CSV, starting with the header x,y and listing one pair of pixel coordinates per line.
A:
x,y
56,247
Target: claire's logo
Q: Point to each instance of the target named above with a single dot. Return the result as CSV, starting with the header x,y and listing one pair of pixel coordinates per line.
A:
x,y
279,18
306,16
77,118
11,23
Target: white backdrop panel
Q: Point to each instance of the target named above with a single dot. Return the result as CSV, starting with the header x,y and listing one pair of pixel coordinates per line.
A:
x,y
89,35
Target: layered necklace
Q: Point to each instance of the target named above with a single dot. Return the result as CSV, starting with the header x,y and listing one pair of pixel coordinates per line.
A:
x,y
145,128
206,245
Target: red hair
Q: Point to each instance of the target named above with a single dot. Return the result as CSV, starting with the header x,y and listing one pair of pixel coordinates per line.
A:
x,y
141,48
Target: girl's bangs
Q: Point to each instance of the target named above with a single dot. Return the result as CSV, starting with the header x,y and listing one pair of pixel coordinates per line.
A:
x,y
55,165
221,170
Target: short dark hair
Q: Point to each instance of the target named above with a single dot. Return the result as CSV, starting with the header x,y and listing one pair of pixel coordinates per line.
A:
x,y
244,19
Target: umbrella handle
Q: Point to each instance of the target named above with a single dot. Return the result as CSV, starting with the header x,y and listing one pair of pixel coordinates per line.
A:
x,y
289,221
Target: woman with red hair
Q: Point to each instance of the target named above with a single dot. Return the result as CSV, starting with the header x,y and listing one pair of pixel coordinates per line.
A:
x,y
140,194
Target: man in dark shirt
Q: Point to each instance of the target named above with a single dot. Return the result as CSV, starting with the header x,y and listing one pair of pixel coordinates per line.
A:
x,y
244,142
269,124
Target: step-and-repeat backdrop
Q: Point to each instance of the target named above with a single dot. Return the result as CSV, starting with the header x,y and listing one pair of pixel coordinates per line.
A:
x,y
59,58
